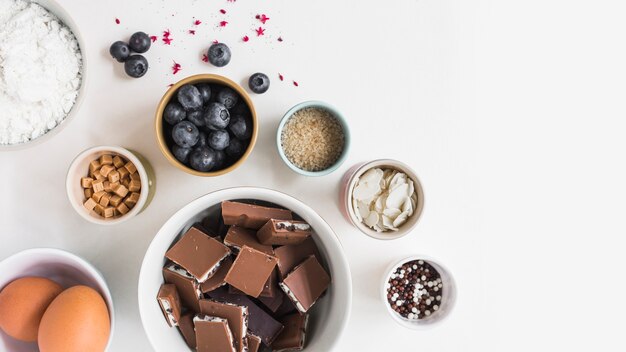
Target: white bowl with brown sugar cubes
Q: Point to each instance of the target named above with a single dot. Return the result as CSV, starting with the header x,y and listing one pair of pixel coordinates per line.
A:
x,y
107,185
313,138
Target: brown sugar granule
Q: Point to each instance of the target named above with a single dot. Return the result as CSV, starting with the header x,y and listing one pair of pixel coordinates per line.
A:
x,y
312,139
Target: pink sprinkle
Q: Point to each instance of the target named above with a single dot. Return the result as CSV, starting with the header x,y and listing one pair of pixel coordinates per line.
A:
x,y
295,83
223,12
260,32
117,21
280,39
197,22
223,23
192,32
262,18
176,67
153,38
205,58
245,38
280,77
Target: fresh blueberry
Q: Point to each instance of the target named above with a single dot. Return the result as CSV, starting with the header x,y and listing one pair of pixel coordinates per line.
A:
x,y
235,148
185,134
219,54
120,51
219,139
216,116
139,42
203,159
241,127
196,117
228,97
181,154
136,66
173,113
240,109
259,83
202,140
220,160
189,97
205,92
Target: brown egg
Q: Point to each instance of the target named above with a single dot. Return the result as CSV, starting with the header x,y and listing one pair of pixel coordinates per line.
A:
x,y
22,303
76,321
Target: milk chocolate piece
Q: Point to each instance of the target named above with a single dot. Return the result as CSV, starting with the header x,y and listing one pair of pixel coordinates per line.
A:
x,y
237,237
254,343
260,323
185,325
170,303
217,280
273,303
291,255
269,289
305,284
213,334
198,253
250,271
283,232
186,285
251,216
293,336
236,315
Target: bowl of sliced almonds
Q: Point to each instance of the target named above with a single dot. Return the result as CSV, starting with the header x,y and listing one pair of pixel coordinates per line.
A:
x,y
383,198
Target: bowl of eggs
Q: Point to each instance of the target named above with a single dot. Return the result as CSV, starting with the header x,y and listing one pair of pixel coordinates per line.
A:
x,y
54,301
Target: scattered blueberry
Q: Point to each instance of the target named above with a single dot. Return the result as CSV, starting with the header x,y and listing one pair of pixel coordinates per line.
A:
x,y
235,148
219,139
136,66
241,127
205,92
189,97
219,54
228,97
173,113
181,154
139,42
203,159
216,116
120,51
196,117
259,83
185,134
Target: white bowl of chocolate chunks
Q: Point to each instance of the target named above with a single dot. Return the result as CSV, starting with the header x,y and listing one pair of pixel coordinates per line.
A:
x,y
245,269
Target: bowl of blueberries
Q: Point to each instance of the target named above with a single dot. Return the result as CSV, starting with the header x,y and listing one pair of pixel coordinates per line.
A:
x,y
206,125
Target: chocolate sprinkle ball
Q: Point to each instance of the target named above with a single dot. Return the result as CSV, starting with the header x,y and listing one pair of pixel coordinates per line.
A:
x,y
414,290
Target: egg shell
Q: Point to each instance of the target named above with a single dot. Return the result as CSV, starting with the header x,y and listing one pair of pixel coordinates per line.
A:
x,y
23,303
76,321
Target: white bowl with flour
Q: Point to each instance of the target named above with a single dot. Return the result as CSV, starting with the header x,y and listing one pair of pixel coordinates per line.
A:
x,y
42,79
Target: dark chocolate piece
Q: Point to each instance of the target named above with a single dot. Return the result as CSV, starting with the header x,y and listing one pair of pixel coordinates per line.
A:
x,y
237,237
198,253
170,303
236,315
291,255
251,216
185,325
254,343
260,323
305,284
293,335
283,232
213,334
186,285
204,229
217,280
273,303
250,271
287,307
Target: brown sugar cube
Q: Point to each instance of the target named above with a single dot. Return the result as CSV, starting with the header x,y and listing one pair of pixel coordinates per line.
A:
x,y
104,201
135,176
121,191
88,192
94,165
115,200
106,159
90,204
130,167
126,182
132,199
122,208
114,186
99,209
85,182
97,196
97,175
134,186
124,173
118,162
114,176
97,185
107,187
109,212
105,169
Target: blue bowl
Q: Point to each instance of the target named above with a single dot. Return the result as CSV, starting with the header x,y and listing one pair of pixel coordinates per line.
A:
x,y
340,119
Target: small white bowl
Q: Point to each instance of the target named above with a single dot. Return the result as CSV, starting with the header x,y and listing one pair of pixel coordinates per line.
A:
x,y
65,268
348,183
448,297
80,167
329,316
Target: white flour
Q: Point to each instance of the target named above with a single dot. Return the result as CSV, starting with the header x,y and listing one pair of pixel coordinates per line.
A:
x,y
40,65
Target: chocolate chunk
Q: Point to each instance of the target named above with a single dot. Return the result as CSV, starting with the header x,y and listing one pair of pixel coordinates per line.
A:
x,y
185,325
237,237
250,271
186,285
217,280
204,229
305,284
236,315
291,255
213,334
273,303
254,342
286,308
251,216
294,334
170,303
283,232
260,323
198,253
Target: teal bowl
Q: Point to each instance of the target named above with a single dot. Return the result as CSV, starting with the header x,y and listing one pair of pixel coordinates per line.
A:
x,y
332,111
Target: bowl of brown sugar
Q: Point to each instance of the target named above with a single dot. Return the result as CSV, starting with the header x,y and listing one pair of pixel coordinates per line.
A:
x,y
313,138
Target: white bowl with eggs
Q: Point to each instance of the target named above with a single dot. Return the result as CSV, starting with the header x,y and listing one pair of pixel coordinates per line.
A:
x,y
64,268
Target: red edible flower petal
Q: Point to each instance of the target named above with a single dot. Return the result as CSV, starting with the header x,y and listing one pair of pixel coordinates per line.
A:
x,y
215,41
280,39
166,33
223,12
262,18
295,83
192,32
197,22
117,21
166,37
167,41
280,77
257,17
176,67
205,58
223,23
153,38
260,32
245,38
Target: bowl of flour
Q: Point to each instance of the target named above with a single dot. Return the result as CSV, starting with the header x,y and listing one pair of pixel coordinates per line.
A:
x,y
41,71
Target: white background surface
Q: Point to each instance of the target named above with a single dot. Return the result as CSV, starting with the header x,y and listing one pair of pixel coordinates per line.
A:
x,y
510,112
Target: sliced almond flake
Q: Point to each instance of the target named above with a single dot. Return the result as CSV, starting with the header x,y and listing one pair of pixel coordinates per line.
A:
x,y
379,205
397,196
407,206
414,202
401,219
372,219
411,188
388,223
357,212
363,209
397,179
392,213
371,176
364,191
